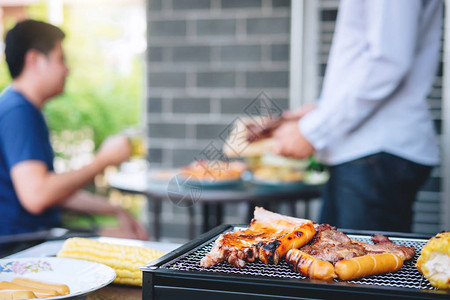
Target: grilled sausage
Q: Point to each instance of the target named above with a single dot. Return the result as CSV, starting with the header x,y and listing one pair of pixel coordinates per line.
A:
x,y
61,289
17,295
293,240
6,285
370,264
310,266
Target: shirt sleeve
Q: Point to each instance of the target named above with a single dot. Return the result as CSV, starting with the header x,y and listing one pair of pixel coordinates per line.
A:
x,y
24,137
391,33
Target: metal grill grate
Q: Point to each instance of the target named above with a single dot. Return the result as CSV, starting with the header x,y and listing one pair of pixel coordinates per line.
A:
x,y
407,277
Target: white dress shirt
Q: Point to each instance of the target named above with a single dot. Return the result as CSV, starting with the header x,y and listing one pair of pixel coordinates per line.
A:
x,y
382,63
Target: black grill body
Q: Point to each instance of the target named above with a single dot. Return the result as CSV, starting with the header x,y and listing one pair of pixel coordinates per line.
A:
x,y
178,275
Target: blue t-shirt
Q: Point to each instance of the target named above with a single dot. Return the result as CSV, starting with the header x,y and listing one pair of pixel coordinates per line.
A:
x,y
23,136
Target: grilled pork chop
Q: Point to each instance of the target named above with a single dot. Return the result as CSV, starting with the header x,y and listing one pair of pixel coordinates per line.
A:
x,y
269,237
383,244
331,245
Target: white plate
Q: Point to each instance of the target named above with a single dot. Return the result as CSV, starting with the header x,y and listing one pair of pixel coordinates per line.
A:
x,y
81,276
275,182
162,175
204,182
212,183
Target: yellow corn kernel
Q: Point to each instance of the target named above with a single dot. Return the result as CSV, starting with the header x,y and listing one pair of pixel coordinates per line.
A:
x,y
125,260
434,260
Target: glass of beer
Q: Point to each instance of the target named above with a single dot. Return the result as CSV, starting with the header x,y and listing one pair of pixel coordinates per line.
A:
x,y
138,143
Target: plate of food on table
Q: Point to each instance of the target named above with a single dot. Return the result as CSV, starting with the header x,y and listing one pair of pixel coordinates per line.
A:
x,y
255,143
52,278
162,175
276,170
213,172
81,267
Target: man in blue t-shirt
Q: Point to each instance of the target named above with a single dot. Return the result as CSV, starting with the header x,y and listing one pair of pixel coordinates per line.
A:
x,y
31,193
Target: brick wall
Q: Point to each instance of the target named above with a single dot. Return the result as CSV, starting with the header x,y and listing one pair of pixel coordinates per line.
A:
x,y
208,60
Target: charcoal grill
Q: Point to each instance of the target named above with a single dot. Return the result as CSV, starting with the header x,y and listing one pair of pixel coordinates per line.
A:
x,y
178,275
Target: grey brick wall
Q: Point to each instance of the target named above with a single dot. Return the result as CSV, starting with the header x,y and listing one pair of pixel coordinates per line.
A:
x,y
207,60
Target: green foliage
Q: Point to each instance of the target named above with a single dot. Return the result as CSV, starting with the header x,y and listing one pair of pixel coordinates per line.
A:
x,y
97,95
314,165
5,78
107,106
36,11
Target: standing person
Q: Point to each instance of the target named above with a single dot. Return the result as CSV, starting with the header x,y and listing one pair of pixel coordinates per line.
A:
x,y
31,193
371,125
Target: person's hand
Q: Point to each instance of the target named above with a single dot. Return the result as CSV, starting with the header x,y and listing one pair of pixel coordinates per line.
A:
x,y
290,142
130,225
128,228
114,150
299,113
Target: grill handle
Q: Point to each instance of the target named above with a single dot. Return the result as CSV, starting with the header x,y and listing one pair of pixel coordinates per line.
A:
x,y
186,248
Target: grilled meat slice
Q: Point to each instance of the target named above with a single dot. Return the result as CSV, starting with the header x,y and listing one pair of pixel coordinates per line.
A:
x,y
228,247
383,244
334,253
269,237
327,234
238,247
332,245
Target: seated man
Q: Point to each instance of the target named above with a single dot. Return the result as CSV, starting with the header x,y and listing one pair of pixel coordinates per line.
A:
x,y
31,193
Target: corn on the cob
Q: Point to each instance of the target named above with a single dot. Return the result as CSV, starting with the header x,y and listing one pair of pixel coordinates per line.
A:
x,y
125,260
434,261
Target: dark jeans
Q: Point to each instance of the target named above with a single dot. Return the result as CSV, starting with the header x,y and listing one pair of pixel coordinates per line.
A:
x,y
373,193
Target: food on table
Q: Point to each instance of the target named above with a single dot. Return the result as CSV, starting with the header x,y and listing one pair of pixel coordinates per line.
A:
x,y
434,260
274,169
6,285
162,175
25,288
13,294
214,170
61,289
269,237
316,177
277,174
351,259
125,260
277,169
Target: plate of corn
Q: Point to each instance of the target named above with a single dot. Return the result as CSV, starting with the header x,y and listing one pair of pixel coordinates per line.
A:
x,y
52,278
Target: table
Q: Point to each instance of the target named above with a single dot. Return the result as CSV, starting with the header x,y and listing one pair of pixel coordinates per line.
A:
x,y
212,197
112,291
